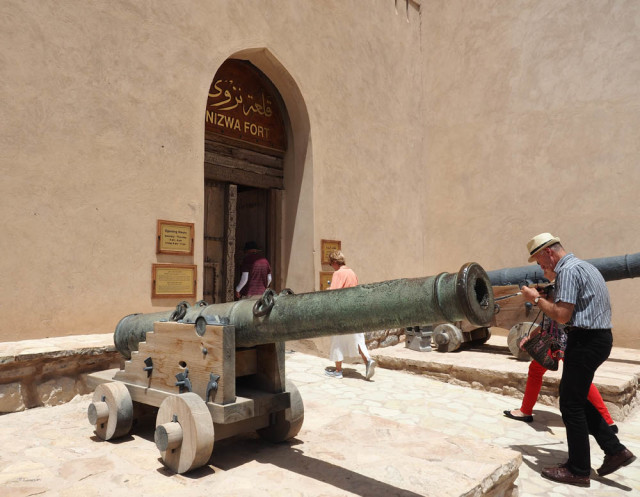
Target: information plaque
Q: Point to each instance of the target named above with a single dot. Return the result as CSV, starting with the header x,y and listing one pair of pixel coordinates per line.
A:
x,y
328,246
174,280
174,238
325,279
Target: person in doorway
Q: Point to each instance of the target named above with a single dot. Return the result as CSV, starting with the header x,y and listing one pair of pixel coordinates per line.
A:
x,y
346,345
537,371
581,301
255,272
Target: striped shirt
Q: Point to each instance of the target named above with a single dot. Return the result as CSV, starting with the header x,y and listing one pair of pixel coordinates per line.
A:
x,y
580,283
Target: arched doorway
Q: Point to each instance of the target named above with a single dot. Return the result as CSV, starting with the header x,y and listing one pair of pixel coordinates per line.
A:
x,y
245,143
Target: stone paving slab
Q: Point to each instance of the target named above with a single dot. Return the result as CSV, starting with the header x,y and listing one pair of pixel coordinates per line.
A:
x,y
382,437
350,444
459,411
50,451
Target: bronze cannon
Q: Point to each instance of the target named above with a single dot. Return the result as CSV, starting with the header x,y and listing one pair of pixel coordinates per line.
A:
x,y
516,315
512,312
214,371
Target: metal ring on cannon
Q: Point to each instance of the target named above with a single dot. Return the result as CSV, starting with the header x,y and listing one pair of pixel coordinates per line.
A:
x,y
180,312
264,304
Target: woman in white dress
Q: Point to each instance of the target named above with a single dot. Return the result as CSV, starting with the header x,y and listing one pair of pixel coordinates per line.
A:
x,y
346,345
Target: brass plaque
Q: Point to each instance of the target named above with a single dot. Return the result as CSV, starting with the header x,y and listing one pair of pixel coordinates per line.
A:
x,y
174,238
174,280
328,246
325,279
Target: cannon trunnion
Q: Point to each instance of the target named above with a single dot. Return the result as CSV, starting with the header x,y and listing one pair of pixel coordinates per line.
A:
x,y
217,371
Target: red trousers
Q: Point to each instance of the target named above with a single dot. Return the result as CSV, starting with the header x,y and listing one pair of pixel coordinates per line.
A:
x,y
534,384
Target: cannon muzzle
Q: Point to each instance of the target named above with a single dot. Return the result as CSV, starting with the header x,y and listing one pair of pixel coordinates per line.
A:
x,y
447,297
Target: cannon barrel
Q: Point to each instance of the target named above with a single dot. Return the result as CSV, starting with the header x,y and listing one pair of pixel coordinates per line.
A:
x,y
612,268
447,297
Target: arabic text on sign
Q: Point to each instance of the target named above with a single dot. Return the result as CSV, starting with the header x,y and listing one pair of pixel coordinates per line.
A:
x,y
260,106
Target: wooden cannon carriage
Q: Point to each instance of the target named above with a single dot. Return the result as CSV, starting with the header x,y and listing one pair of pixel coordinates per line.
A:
x,y
217,371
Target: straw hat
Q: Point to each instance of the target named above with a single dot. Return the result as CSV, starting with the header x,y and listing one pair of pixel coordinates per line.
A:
x,y
538,242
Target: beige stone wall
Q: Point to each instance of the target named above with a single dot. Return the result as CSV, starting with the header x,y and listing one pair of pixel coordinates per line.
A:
x,y
423,135
531,121
103,134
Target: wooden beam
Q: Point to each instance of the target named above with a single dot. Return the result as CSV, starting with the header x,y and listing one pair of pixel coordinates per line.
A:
x,y
230,175
243,165
231,215
240,153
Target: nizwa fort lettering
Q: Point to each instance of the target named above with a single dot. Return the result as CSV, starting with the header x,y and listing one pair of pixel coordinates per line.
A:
x,y
241,106
235,124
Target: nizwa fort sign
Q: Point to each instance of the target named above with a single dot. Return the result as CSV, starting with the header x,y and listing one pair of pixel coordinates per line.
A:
x,y
241,106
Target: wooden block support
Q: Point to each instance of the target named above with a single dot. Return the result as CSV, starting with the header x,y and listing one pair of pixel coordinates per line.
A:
x,y
176,348
270,363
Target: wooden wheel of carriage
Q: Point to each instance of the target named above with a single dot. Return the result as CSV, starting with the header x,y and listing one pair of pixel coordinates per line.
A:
x,y
448,337
111,410
184,432
517,333
286,423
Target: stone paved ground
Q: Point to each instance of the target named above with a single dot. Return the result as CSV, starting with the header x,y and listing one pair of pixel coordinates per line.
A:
x,y
463,412
349,445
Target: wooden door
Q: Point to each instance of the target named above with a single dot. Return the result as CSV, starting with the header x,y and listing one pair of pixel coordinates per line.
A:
x,y
245,145
219,242
253,223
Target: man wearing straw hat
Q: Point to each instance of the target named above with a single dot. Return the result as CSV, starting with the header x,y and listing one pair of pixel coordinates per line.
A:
x,y
581,302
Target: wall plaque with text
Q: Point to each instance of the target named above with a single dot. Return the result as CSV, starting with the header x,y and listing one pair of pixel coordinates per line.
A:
x,y
174,238
328,246
325,279
174,280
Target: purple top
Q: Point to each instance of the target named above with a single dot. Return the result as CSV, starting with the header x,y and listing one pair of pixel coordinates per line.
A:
x,y
258,268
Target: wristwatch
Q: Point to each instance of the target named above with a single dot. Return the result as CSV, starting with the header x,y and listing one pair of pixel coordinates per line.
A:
x,y
535,301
